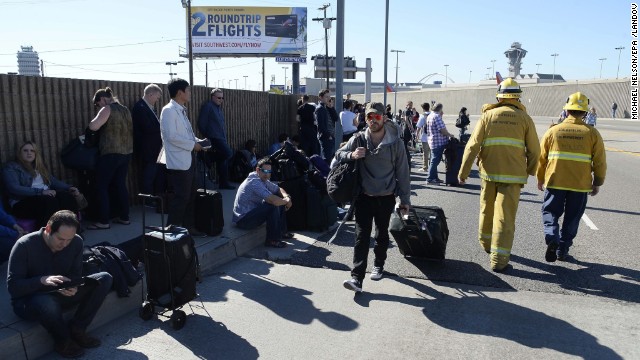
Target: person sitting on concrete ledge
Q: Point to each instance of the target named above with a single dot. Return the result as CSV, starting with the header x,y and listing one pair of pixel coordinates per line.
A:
x,y
9,233
258,200
39,265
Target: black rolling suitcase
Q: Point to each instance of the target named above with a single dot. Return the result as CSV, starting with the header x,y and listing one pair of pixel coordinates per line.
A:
x,y
423,235
171,269
453,161
208,211
322,211
297,214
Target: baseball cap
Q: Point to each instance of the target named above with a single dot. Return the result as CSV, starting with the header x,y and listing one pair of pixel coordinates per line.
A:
x,y
374,107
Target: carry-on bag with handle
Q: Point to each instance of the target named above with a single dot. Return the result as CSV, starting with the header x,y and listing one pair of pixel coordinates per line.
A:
x,y
424,234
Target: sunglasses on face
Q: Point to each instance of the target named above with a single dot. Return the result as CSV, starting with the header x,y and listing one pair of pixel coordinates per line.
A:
x,y
220,97
374,117
266,171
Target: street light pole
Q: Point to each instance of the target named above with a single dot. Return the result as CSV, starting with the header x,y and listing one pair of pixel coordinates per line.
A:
x,y
488,74
538,68
601,62
446,75
229,84
395,90
553,78
470,76
245,81
285,79
236,80
620,48
493,67
187,4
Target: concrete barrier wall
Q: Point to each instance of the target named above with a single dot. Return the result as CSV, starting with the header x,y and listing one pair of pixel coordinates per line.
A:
x,y
540,99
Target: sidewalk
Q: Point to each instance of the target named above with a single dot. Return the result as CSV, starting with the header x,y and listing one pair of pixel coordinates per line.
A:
x,y
20,339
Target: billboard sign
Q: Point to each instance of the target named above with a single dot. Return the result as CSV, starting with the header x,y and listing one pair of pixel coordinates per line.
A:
x,y
248,30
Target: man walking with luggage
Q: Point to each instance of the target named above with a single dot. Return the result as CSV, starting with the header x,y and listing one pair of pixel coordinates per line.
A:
x,y
571,152
506,144
384,173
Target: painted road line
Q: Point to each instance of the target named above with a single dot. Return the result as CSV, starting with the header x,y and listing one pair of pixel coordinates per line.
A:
x,y
622,151
589,223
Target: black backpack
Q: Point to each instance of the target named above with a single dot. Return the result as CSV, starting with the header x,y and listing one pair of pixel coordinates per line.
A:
x,y
343,181
240,167
462,121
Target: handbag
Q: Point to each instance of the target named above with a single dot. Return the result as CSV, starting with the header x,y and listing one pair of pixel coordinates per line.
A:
x,y
91,138
75,155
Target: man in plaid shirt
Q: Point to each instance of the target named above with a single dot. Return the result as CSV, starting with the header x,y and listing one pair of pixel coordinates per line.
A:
x,y
437,138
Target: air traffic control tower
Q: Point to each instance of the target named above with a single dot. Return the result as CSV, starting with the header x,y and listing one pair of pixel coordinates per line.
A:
x,y
515,55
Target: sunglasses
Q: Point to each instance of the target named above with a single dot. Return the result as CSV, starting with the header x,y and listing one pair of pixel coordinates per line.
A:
x,y
219,97
374,117
266,171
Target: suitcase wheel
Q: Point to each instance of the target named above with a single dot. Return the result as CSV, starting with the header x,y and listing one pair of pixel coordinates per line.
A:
x,y
178,319
146,311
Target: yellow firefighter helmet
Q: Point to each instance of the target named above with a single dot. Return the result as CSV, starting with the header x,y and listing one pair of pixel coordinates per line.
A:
x,y
509,89
577,101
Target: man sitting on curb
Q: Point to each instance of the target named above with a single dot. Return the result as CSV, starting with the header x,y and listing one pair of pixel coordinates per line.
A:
x,y
42,261
258,200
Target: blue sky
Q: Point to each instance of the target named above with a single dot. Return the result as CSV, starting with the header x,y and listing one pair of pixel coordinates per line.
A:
x,y
131,40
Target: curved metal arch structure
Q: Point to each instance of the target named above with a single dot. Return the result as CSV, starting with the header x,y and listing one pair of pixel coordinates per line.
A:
x,y
432,75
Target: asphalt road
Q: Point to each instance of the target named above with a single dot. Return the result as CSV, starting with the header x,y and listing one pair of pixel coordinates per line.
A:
x,y
455,309
604,253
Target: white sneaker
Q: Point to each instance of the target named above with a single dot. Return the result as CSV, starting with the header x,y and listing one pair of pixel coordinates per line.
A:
x,y
376,273
353,285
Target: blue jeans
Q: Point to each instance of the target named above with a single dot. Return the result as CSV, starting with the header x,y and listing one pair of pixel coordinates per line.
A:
x,y
555,203
436,158
327,149
223,155
112,169
369,209
47,308
273,215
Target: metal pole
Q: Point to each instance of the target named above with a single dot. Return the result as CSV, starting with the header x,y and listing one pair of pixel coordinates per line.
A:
x,y
245,81
620,48
538,68
285,79
190,44
395,91
263,76
601,62
553,78
386,50
446,75
493,67
470,76
236,83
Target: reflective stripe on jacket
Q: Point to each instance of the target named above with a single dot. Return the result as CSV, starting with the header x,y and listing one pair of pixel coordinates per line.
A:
x,y
571,152
505,142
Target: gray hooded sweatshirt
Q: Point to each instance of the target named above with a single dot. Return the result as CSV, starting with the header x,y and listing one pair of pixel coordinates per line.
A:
x,y
381,173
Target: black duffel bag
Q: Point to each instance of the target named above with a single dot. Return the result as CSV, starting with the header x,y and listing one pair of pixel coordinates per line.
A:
x,y
75,155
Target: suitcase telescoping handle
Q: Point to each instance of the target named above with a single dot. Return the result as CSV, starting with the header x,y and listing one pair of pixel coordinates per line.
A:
x,y
422,223
145,198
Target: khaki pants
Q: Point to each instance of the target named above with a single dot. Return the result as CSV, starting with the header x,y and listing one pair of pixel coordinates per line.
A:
x,y
498,207
426,156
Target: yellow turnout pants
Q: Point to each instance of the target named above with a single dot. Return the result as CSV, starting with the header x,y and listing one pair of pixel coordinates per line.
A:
x,y
498,207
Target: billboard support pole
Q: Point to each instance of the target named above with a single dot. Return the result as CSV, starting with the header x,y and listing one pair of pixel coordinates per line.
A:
x,y
295,78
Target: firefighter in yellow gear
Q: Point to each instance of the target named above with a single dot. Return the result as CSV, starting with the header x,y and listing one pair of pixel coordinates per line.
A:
x,y
506,145
572,165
